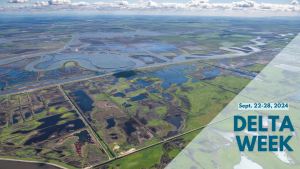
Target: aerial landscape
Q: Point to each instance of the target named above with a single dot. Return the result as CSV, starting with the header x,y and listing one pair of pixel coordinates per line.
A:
x,y
104,91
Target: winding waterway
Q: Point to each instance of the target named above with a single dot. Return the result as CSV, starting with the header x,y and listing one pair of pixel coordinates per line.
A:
x,y
14,164
104,62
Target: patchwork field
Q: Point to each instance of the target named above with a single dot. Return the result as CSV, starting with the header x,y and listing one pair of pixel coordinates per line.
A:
x,y
131,112
131,92
120,131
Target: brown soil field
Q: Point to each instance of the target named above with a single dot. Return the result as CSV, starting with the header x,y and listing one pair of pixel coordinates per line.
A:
x,y
101,104
113,110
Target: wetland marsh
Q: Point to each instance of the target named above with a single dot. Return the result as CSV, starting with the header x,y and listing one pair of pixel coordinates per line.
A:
x,y
103,91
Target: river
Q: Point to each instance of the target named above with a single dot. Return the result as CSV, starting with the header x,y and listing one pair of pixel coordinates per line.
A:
x,y
8,164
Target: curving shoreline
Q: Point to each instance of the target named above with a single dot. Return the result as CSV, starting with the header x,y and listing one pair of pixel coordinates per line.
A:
x,y
32,161
103,62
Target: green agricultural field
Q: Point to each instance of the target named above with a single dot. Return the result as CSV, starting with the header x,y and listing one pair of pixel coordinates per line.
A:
x,y
201,114
255,68
231,83
69,64
278,45
154,157
143,159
